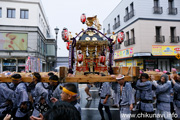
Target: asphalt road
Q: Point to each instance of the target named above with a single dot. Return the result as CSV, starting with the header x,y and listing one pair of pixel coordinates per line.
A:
x,y
90,108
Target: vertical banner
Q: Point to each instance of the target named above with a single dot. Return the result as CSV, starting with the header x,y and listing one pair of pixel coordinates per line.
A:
x,y
113,48
27,64
34,64
38,65
75,56
70,56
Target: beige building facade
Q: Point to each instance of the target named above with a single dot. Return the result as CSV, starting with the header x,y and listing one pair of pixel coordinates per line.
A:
x,y
152,33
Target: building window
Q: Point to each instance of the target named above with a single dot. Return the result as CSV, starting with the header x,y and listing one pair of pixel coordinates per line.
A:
x,y
126,42
173,37
0,12
118,18
171,9
108,31
131,13
129,41
47,34
117,46
127,35
131,6
132,40
39,18
157,9
171,3
127,11
114,21
11,13
104,30
158,31
126,17
159,37
156,3
172,30
24,14
132,33
114,26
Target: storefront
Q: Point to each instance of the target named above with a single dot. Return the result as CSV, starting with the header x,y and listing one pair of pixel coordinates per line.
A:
x,y
176,64
32,64
126,57
13,64
130,62
165,55
150,64
162,58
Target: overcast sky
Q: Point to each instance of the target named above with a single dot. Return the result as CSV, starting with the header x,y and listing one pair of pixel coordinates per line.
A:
x,y
66,13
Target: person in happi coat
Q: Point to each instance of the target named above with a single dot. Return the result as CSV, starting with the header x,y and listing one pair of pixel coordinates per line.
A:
x,y
145,95
54,87
6,99
163,95
124,95
176,88
21,101
40,95
104,93
69,94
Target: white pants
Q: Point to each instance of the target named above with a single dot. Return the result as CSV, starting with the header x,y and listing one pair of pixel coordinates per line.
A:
x,y
125,113
163,114
177,109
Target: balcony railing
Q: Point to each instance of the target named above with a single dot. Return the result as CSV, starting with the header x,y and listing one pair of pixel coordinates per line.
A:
x,y
129,42
117,46
108,31
160,39
174,39
157,10
131,14
116,25
128,15
172,11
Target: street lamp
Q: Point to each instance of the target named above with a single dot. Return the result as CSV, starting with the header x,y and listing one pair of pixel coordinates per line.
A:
x,y
56,32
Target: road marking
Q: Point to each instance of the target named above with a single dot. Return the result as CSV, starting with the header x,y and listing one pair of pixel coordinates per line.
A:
x,y
97,109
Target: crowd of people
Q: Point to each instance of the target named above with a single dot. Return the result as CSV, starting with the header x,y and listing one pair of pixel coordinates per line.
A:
x,y
149,98
59,101
38,100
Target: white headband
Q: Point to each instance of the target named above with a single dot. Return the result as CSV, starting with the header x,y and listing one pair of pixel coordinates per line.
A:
x,y
120,78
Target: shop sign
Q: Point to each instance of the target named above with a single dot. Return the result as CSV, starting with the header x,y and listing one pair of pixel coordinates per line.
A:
x,y
122,63
163,50
128,63
178,56
141,54
125,53
177,49
140,63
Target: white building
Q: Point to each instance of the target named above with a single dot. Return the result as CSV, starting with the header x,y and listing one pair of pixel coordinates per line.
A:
x,y
25,36
152,30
